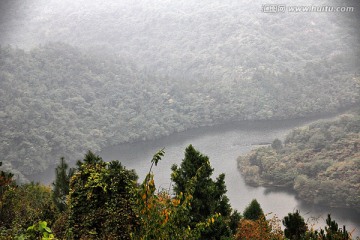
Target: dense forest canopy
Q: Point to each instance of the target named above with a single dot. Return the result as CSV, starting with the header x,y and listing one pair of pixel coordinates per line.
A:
x,y
321,162
83,75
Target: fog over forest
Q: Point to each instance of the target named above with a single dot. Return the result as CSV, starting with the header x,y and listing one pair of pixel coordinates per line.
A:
x,y
86,75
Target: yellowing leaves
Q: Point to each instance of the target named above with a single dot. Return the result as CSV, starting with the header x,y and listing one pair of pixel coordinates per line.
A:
x,y
176,202
151,183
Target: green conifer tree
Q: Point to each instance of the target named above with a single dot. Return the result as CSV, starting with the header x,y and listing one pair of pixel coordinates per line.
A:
x,y
253,211
61,185
295,226
333,232
209,195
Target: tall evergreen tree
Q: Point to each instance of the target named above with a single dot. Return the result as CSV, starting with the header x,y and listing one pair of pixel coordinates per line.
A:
x,y
61,185
295,226
209,195
333,232
253,211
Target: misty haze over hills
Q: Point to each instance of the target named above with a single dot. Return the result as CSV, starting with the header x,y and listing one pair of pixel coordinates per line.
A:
x,y
202,38
133,70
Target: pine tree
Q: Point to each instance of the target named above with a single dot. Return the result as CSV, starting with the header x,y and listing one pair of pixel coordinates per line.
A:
x,y
209,195
295,226
333,232
253,211
61,185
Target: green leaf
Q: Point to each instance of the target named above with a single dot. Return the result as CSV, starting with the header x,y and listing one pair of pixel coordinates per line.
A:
x,y
42,225
31,228
21,237
157,157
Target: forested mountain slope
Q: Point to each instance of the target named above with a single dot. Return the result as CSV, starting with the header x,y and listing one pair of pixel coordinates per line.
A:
x,y
58,101
135,70
226,46
321,162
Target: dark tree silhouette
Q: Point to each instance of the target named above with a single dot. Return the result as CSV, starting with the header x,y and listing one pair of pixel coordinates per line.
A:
x,y
253,211
295,226
61,184
209,195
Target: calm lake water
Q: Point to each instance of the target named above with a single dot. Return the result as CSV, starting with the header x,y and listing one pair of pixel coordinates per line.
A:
x,y
223,144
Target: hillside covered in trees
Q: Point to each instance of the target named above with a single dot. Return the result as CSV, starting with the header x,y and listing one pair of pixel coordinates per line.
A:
x,y
57,99
84,75
321,162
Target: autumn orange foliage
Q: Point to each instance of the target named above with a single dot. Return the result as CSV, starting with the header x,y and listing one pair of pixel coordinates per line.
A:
x,y
260,229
